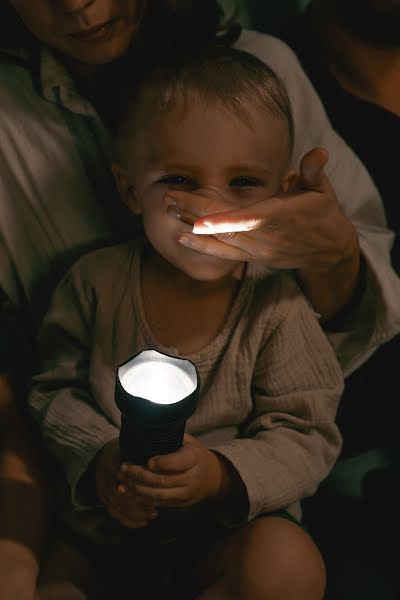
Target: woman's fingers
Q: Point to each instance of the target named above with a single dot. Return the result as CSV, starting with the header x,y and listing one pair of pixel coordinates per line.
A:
x,y
242,219
215,215
214,247
198,204
272,250
312,176
182,215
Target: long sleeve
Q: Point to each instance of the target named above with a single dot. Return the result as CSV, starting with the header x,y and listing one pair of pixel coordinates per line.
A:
x,y
290,441
73,427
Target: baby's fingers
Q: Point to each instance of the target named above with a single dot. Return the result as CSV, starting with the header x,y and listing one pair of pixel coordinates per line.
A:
x,y
131,522
178,497
132,515
132,475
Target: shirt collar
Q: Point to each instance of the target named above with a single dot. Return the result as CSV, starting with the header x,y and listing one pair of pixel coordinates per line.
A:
x,y
57,85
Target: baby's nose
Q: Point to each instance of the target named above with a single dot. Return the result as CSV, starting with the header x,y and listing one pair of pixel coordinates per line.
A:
x,y
213,192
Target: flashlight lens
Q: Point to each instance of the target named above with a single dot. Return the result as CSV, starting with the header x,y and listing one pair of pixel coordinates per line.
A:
x,y
161,383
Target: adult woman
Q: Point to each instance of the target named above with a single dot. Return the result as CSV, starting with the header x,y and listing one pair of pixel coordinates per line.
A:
x,y
57,195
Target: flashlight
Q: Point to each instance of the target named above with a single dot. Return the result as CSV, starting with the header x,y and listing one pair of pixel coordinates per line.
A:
x,y
156,394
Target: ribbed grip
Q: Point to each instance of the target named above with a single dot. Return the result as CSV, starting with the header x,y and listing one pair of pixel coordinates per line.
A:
x,y
139,443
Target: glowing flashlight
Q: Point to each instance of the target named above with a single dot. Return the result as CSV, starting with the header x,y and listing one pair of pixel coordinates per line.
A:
x,y
156,394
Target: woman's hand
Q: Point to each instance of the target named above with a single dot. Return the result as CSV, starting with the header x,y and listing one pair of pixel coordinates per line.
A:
x,y
183,478
302,228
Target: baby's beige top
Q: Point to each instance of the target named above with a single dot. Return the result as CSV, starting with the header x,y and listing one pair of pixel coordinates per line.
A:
x,y
270,380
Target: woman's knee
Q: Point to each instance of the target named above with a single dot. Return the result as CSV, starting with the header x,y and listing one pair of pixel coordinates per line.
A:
x,y
278,560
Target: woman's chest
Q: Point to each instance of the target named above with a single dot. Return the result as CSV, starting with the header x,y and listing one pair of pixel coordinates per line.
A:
x,y
56,198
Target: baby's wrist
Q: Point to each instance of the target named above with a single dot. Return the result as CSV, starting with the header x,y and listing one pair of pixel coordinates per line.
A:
x,y
223,481
231,488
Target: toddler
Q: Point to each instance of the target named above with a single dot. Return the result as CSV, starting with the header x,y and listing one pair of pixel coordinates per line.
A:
x,y
263,436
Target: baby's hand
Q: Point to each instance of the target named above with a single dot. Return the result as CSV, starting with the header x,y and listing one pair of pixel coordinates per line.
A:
x,y
127,507
186,477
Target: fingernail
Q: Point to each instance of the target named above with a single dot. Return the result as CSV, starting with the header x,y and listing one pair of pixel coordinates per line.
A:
x,y
122,489
187,241
171,200
201,228
124,467
173,212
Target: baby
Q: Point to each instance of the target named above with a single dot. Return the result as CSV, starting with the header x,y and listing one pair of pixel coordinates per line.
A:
x,y
263,436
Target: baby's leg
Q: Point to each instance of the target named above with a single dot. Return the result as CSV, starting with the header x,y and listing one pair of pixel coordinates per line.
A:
x,y
272,558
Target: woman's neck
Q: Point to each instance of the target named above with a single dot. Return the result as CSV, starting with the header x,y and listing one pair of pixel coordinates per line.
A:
x,y
363,69
84,76
90,83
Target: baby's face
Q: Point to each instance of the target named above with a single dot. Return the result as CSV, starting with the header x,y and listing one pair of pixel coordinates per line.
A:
x,y
208,152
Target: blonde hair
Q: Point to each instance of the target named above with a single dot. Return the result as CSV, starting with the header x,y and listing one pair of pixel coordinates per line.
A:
x,y
220,77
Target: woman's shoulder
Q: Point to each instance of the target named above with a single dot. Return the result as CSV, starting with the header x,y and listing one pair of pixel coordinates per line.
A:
x,y
23,110
17,79
270,50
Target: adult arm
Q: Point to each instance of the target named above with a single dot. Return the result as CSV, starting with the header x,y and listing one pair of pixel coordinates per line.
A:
x,y
376,317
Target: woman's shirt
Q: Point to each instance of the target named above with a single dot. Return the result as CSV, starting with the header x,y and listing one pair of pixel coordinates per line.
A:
x,y
57,197
57,193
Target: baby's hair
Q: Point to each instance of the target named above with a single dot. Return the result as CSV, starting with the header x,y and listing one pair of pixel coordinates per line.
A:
x,y
225,78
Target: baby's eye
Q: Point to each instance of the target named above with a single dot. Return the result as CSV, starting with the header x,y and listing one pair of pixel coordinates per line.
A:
x,y
176,180
245,182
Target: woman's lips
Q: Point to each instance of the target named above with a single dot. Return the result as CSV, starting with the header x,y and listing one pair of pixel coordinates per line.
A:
x,y
93,33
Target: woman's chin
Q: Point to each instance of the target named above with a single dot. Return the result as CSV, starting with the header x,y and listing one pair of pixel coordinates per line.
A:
x,y
102,49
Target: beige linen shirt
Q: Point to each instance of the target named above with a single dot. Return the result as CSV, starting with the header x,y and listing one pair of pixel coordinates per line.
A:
x,y
57,197
270,382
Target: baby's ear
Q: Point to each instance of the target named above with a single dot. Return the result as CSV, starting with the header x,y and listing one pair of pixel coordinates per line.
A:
x,y
289,183
125,188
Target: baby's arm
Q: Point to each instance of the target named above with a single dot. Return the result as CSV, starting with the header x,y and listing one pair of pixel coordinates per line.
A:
x,y
77,433
73,427
290,442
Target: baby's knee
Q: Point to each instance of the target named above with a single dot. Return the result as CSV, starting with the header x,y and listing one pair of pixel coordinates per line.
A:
x,y
279,561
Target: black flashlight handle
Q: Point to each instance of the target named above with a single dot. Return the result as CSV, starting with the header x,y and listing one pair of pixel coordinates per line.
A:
x,y
138,443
